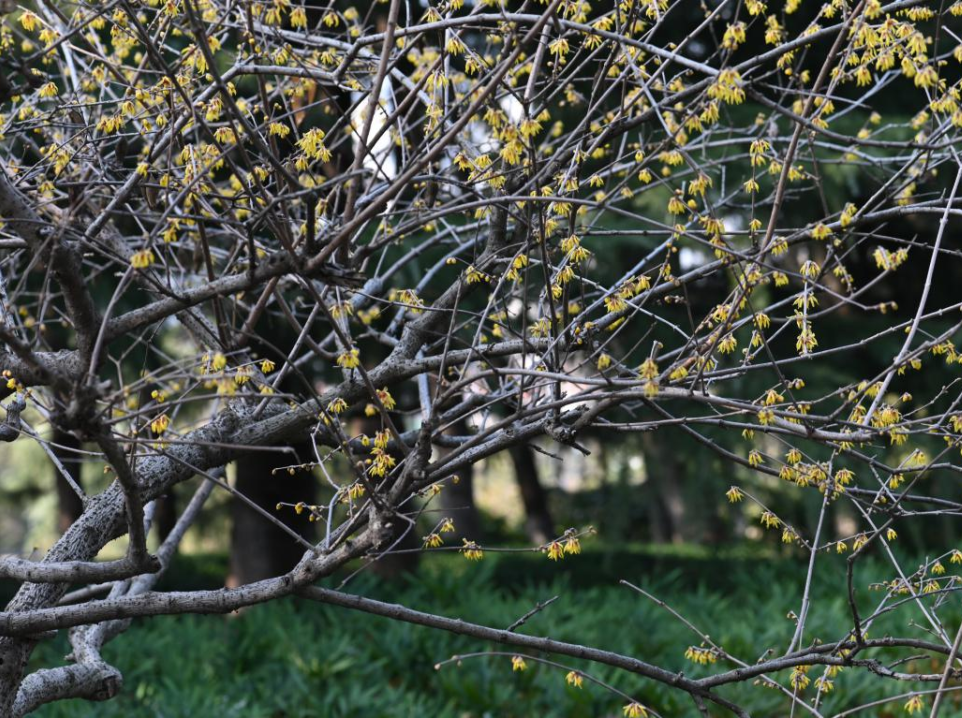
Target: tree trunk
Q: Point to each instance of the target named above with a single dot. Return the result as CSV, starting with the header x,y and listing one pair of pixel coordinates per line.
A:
x,y
457,501
69,505
664,476
259,549
405,538
538,524
457,497
165,515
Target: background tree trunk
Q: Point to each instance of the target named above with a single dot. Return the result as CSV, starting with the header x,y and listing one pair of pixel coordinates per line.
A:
x,y
664,476
165,515
258,548
69,505
457,498
405,537
538,524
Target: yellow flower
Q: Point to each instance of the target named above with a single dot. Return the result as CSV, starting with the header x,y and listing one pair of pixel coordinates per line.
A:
x,y
267,366
386,399
472,551
678,373
574,679
559,47
142,259
555,551
770,520
336,406
821,232
160,424
798,679
28,21
432,540
635,710
48,37
278,129
734,495
341,310
380,464
572,545
702,656
648,370
349,359
734,36
615,304
312,144
414,302
810,269
914,704
518,664
474,275
676,206
727,88
369,315
455,46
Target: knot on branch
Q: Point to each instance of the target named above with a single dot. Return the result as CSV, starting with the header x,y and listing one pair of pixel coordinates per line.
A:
x,y
339,276
381,526
10,428
561,433
80,413
564,429
108,686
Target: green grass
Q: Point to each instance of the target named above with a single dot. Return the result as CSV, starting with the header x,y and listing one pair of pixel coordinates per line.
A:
x,y
297,659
